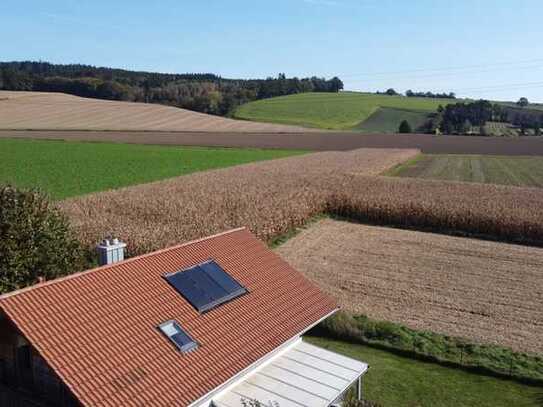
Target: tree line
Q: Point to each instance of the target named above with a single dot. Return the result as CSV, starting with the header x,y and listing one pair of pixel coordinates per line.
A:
x,y
471,118
409,93
202,92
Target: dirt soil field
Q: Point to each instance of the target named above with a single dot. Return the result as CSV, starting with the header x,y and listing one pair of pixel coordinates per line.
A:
x,y
321,141
59,111
484,291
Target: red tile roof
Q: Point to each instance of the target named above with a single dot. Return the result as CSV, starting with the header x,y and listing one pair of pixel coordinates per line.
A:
x,y
98,329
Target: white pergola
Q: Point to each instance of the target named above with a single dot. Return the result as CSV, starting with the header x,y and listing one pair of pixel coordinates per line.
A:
x,y
303,376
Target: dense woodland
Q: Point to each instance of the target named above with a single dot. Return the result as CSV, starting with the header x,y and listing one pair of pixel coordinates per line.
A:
x,y
207,93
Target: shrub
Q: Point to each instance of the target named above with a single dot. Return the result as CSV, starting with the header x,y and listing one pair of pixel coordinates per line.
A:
x,y
435,347
35,240
405,127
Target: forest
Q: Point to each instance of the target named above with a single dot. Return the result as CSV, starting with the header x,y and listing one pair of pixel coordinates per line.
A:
x,y
202,92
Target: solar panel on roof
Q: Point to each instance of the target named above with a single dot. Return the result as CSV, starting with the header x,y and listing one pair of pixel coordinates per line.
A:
x,y
179,337
205,285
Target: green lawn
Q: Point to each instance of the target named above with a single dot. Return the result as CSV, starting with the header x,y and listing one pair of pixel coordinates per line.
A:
x,y
520,171
64,169
338,111
397,381
388,119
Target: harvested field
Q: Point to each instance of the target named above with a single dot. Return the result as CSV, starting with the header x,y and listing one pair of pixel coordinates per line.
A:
x,y
321,141
484,291
273,197
59,111
520,171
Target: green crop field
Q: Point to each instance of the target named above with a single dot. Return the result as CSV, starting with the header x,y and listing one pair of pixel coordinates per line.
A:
x,y
336,111
64,169
388,119
520,171
398,381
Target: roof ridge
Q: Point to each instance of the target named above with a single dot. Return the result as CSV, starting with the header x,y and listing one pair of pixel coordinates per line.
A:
x,y
108,266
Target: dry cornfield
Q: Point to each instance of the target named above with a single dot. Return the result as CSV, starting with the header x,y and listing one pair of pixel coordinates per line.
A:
x,y
273,197
59,111
269,197
513,214
485,291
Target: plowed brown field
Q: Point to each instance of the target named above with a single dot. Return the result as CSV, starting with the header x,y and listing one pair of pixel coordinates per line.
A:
x,y
485,291
58,111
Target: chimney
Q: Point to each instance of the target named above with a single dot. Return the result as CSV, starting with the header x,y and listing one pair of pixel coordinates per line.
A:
x,y
110,251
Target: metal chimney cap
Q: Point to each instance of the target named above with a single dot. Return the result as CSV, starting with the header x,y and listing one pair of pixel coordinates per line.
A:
x,y
111,243
110,250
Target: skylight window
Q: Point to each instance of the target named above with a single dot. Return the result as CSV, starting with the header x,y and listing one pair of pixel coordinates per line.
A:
x,y
205,286
180,338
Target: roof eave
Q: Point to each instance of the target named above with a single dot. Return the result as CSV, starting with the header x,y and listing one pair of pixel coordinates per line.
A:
x,y
209,396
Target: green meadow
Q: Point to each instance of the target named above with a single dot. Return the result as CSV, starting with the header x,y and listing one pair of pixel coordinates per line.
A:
x,y
64,169
333,111
394,380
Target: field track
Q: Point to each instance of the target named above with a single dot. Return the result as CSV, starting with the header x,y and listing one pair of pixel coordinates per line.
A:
x,y
484,291
321,141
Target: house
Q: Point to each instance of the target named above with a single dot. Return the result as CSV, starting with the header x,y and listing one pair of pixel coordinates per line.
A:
x,y
213,322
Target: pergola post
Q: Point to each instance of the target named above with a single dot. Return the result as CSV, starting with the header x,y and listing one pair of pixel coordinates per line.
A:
x,y
359,390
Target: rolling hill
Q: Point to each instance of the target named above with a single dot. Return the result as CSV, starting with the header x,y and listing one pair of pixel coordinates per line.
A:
x,y
335,111
59,111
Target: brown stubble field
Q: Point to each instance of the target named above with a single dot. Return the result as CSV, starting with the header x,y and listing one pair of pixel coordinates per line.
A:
x,y
484,291
59,111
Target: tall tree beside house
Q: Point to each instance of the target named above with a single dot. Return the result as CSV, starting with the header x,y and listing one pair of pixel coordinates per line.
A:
x,y
35,240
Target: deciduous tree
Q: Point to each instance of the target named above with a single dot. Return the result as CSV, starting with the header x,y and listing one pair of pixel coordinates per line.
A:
x,y
35,240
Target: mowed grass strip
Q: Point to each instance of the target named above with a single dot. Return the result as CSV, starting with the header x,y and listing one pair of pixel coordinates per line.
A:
x,y
399,381
519,171
337,111
66,169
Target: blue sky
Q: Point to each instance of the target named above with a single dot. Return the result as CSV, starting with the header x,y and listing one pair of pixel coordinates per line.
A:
x,y
478,48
